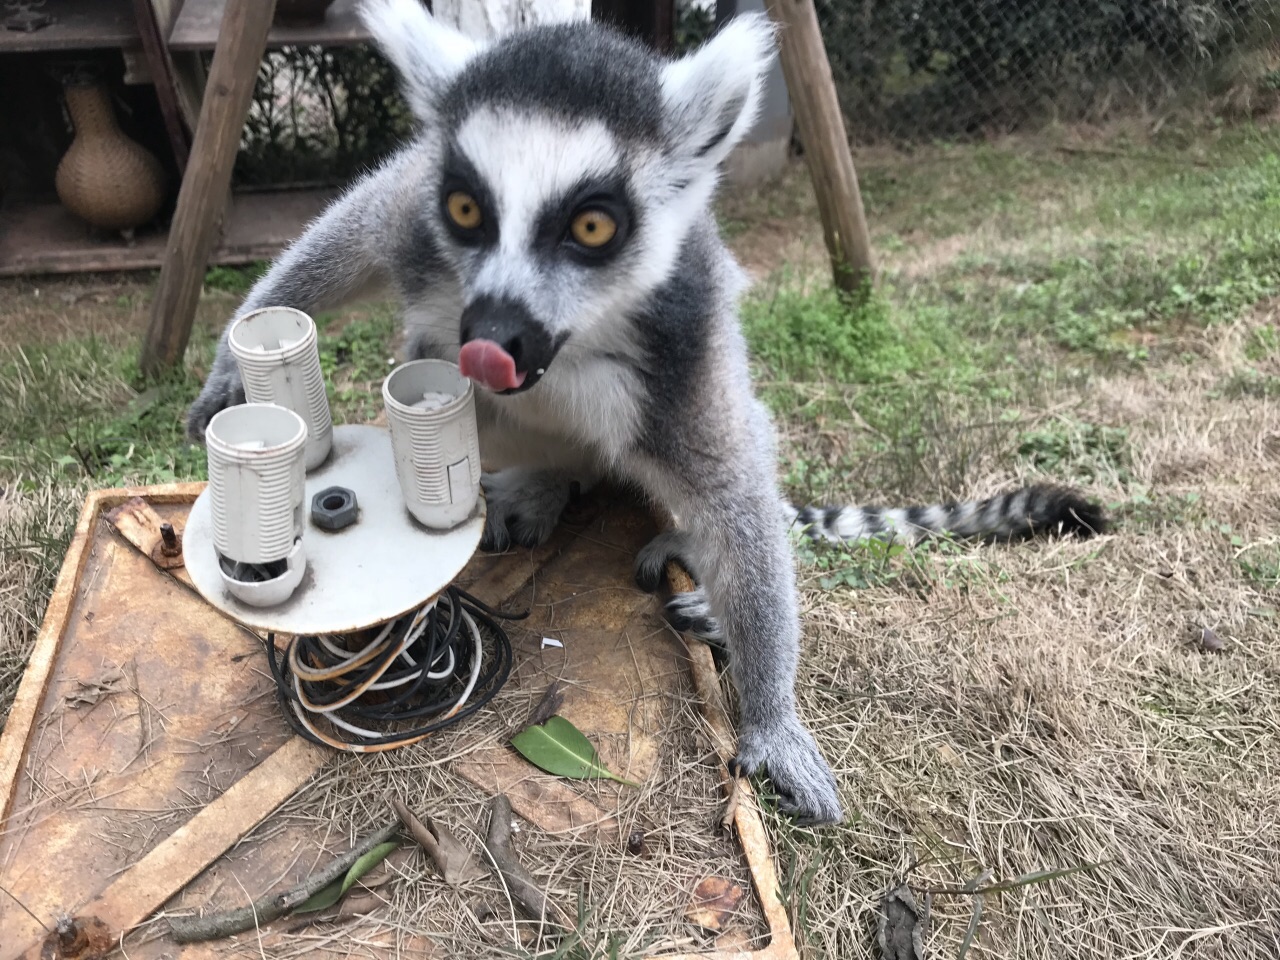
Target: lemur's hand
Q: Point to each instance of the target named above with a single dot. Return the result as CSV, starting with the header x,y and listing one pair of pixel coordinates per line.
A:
x,y
222,389
522,506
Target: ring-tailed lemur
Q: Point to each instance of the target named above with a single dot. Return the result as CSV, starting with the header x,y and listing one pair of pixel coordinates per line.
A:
x,y
550,229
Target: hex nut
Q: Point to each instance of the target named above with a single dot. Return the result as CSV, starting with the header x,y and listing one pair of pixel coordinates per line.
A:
x,y
334,508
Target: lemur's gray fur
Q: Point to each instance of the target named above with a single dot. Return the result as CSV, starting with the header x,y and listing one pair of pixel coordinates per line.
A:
x,y
629,361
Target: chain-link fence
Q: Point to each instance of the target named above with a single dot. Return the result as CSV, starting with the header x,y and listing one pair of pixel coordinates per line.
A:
x,y
906,70
941,69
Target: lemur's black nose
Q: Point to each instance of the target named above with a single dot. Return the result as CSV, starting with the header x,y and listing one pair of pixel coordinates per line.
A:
x,y
511,328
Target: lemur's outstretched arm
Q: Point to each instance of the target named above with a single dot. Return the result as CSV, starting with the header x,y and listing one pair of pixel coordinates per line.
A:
x,y
346,252
731,519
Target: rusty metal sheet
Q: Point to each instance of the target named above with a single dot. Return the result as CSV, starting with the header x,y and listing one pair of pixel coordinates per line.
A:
x,y
145,709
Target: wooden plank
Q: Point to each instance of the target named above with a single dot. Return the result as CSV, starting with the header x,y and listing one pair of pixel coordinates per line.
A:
x,y
188,66
242,40
81,25
826,145
196,27
602,627
140,890
14,737
17,728
180,857
747,822
46,238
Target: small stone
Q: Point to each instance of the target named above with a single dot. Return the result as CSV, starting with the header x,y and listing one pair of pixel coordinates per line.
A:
x,y
1211,641
432,400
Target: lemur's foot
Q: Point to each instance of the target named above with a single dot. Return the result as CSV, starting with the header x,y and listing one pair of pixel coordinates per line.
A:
x,y
686,612
805,785
523,506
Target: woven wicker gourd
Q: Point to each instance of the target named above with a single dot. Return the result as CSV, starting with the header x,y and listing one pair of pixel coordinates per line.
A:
x,y
105,178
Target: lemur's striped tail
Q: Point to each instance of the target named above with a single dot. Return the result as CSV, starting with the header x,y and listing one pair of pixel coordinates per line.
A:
x,y
1017,515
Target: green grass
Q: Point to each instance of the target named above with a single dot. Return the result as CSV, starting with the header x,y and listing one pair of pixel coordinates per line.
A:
x,y
1261,564
235,280
1076,451
1102,262
80,410
934,370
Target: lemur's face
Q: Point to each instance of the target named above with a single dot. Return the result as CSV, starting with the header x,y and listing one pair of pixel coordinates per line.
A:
x,y
548,232
567,166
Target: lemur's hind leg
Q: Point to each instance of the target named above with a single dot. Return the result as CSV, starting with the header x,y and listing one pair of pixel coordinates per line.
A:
x,y
524,505
688,612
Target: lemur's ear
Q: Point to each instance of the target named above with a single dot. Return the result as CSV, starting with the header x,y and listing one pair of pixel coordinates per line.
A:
x,y
424,51
712,95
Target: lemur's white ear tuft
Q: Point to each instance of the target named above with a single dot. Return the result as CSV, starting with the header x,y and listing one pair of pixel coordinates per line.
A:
x,y
424,51
712,95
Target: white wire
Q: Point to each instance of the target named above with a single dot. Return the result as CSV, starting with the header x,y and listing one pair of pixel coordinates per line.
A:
x,y
415,631
410,637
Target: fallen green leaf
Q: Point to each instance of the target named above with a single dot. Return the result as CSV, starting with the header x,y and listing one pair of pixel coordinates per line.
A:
x,y
368,862
327,897
559,747
322,899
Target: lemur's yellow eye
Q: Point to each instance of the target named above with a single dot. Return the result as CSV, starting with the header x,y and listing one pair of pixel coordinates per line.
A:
x,y
593,228
464,210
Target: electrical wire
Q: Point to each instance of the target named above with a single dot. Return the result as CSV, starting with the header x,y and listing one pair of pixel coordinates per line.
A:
x,y
432,665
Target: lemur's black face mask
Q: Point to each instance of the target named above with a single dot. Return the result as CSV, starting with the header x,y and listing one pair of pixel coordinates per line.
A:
x,y
504,349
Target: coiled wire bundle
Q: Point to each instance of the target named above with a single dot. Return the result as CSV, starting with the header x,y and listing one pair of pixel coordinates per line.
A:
x,y
419,674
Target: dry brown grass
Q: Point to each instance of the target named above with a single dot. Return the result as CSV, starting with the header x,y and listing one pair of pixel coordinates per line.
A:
x,y
35,521
41,310
1051,705
632,904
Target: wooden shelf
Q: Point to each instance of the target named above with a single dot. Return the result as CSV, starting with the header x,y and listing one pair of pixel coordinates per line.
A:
x,y
196,28
45,238
81,25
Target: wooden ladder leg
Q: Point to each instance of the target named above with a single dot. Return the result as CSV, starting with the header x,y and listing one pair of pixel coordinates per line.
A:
x,y
826,145
242,40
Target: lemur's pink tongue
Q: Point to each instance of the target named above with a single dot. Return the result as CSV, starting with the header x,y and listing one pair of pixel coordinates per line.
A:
x,y
489,365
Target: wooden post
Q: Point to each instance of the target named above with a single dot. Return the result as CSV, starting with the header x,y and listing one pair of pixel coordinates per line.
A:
x,y
185,65
156,52
242,40
826,145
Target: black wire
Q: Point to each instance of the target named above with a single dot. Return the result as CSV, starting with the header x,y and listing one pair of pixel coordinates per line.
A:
x,y
422,697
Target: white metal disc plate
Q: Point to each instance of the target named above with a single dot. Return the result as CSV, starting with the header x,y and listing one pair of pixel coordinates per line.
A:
x,y
375,570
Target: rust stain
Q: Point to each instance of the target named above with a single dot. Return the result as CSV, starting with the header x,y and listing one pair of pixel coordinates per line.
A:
x,y
78,939
155,537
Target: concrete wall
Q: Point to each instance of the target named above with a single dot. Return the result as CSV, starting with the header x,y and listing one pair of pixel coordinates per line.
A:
x,y
763,154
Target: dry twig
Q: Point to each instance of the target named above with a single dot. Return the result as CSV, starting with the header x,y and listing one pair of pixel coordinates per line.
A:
x,y
525,892
214,926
